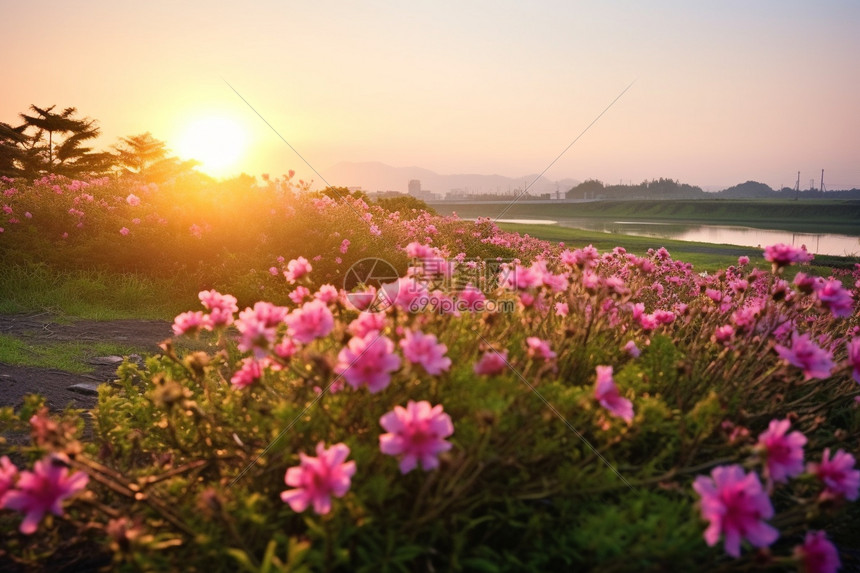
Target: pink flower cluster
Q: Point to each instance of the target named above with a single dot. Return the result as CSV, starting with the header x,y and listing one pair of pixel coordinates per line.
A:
x,y
416,434
318,478
606,392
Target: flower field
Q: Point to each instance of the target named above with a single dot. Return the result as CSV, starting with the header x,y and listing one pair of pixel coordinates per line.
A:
x,y
492,403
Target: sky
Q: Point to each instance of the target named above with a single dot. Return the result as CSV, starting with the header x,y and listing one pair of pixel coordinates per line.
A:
x,y
722,92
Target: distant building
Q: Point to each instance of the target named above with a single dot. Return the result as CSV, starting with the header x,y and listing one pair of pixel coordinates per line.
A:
x,y
415,187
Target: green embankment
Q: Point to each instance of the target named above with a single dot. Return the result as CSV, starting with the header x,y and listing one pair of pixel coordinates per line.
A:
x,y
828,216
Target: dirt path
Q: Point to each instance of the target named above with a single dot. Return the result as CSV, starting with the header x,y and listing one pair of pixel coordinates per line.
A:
x,y
42,328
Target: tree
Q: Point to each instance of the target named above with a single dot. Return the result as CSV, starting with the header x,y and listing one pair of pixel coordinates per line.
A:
x,y
146,157
14,158
69,156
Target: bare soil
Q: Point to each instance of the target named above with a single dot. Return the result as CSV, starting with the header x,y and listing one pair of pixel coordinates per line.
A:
x,y
42,328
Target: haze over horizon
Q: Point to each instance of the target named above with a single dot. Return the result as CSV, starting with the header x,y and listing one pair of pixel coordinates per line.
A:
x,y
723,93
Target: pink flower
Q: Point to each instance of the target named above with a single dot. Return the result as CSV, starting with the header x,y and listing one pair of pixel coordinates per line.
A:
x,y
814,361
838,474
124,231
251,371
424,349
366,322
782,255
471,297
854,358
327,293
834,298
723,334
369,360
404,293
818,554
344,246
286,348
743,260
784,453
258,327
562,308
44,490
491,363
631,349
318,478
299,294
416,433
312,320
133,200
221,307
607,394
736,506
8,476
190,322
538,347
296,269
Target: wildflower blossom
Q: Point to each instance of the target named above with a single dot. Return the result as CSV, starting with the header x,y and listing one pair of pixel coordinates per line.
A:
x,y
299,294
221,307
607,394
133,200
806,355
124,231
43,490
296,269
854,358
416,433
631,349
251,371
782,255
723,334
736,506
318,478
783,453
8,476
190,322
368,360
313,320
424,349
491,362
471,297
538,347
817,554
327,293
562,308
838,474
830,294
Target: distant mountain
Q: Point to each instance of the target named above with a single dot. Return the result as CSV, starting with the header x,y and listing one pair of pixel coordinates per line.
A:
x,y
376,176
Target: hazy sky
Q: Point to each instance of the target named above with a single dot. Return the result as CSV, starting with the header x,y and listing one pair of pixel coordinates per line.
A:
x,y
724,91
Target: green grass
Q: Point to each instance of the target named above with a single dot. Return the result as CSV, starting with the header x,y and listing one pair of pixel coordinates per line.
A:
x,y
66,356
96,295
703,256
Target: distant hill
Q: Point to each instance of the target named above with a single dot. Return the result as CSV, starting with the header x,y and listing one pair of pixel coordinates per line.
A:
x,y
376,176
669,189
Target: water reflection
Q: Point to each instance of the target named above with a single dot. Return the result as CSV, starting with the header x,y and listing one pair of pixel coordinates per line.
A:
x,y
818,243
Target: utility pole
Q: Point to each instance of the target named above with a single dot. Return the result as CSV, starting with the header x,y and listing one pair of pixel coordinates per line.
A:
x,y
797,187
821,187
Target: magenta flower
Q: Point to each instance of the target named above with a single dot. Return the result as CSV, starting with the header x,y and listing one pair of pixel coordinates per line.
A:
x,y
318,478
631,349
817,554
472,298
784,453
834,298
416,433
562,309
327,293
538,347
838,475
221,307
607,394
133,200
299,294
313,320
8,476
736,506
424,349
806,355
782,255
190,322
124,231
366,322
491,363
854,358
44,490
296,269
723,334
369,360
258,327
251,371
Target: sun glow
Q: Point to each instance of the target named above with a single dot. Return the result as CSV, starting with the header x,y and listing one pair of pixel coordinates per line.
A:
x,y
218,143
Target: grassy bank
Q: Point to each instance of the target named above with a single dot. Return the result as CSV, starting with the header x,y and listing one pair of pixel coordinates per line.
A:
x,y
799,216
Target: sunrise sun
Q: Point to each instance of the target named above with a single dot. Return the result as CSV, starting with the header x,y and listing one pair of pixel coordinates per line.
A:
x,y
216,142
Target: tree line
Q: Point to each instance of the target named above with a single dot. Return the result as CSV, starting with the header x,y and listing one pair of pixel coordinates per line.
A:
x,y
48,140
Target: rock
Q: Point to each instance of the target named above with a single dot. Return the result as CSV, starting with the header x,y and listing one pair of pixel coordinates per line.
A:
x,y
88,388
106,360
